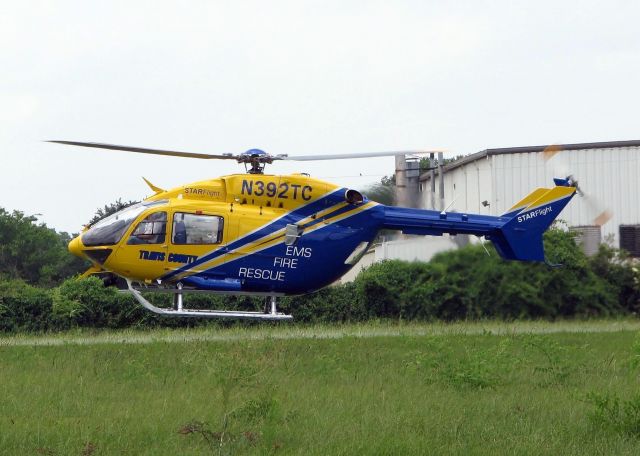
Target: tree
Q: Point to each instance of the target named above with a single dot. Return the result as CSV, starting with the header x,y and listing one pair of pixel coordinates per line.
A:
x,y
34,252
108,209
382,192
425,165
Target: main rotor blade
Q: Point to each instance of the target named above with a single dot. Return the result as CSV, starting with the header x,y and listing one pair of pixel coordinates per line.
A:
x,y
143,150
602,213
356,155
550,151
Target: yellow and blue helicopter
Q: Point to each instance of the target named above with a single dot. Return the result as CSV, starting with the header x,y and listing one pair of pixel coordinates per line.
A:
x,y
269,235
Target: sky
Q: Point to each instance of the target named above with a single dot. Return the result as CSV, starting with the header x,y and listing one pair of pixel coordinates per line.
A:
x,y
295,77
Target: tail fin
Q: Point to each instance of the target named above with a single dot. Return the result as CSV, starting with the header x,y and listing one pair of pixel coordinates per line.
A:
x,y
520,238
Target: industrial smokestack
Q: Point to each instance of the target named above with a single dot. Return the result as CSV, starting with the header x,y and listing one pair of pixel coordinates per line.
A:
x,y
407,181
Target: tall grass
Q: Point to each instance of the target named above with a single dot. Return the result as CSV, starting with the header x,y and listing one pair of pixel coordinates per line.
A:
x,y
433,389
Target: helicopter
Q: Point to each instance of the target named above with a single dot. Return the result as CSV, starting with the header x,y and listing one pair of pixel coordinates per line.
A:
x,y
276,235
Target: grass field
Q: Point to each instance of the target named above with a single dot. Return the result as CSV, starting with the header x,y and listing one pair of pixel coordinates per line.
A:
x,y
471,388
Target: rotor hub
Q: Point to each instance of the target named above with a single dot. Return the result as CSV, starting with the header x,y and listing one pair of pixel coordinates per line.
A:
x,y
254,160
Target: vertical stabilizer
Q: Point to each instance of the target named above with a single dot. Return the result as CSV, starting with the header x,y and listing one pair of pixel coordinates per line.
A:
x,y
521,237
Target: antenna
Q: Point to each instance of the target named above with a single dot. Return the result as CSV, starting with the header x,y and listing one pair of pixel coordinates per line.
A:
x,y
444,211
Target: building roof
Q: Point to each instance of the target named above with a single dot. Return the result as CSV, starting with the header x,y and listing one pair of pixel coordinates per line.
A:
x,y
528,149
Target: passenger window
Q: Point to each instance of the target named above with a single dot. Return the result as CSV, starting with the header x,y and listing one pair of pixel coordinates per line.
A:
x,y
197,229
152,230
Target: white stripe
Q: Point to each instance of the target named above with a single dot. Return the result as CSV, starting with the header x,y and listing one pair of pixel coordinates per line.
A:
x,y
544,204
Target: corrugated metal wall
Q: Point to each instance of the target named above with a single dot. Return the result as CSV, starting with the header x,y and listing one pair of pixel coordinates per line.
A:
x,y
610,175
466,187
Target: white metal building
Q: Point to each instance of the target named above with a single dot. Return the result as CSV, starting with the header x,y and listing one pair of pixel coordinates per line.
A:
x,y
491,181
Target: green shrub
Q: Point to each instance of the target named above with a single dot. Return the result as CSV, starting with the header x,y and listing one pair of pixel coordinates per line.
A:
x,y
339,303
24,307
466,283
460,284
617,268
612,413
87,303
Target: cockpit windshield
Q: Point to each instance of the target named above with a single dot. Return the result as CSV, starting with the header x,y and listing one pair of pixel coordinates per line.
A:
x,y
110,230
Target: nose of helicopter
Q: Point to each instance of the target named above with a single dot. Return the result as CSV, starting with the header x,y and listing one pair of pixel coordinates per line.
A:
x,y
75,246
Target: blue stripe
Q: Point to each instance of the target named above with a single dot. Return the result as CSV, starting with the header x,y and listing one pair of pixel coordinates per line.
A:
x,y
340,211
292,217
323,268
329,215
335,213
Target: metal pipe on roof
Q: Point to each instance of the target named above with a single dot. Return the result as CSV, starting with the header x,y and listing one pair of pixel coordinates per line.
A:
x,y
401,180
432,175
441,176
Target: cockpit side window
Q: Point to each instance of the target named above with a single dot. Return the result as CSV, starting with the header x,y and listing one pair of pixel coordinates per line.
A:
x,y
110,230
151,230
196,229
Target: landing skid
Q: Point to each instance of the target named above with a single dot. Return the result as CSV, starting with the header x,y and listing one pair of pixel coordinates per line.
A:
x,y
270,312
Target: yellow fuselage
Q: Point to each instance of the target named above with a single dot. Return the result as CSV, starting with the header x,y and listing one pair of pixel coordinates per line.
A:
x,y
251,213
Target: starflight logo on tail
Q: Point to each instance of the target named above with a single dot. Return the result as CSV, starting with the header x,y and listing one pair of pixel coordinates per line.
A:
x,y
534,214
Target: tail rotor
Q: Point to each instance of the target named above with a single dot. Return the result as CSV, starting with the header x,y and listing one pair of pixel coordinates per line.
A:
x,y
599,213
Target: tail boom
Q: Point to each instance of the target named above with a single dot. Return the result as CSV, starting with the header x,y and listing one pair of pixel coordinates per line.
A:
x,y
434,223
517,235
